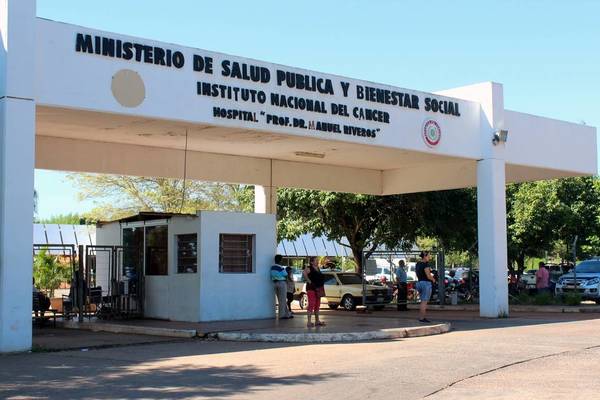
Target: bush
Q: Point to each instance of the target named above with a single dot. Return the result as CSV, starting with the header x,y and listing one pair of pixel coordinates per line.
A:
x,y
543,299
523,298
573,299
49,273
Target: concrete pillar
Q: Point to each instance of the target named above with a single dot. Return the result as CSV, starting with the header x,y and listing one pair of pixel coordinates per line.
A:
x,y
491,224
491,194
265,199
17,144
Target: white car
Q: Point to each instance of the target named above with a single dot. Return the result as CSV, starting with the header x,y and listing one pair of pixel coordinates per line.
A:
x,y
377,268
411,271
585,281
528,279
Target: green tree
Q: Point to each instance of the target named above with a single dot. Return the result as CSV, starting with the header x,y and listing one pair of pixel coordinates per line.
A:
x,y
117,196
365,221
49,273
67,219
450,217
544,217
581,200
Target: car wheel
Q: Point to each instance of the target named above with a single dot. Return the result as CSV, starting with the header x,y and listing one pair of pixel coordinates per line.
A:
x,y
303,301
348,303
333,306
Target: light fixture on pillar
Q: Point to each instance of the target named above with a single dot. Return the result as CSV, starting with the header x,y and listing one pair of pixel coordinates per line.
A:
x,y
500,136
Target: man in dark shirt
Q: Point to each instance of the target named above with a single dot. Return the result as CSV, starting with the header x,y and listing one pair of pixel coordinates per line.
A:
x,y
424,284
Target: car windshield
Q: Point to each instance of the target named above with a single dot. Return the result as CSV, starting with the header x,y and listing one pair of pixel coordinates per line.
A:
x,y
589,266
350,279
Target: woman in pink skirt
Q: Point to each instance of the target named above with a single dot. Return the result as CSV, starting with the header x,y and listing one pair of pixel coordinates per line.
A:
x,y
314,290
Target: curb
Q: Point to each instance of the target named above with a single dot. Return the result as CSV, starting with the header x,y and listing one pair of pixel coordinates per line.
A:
x,y
554,309
344,337
128,329
516,308
446,307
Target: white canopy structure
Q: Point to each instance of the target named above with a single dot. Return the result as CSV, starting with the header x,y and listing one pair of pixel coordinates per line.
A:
x,y
78,99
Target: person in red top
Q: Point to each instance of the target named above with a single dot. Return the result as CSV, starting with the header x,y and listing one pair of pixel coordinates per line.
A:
x,y
542,278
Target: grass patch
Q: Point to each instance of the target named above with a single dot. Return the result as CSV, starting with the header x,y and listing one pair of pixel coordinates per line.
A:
x,y
543,299
573,299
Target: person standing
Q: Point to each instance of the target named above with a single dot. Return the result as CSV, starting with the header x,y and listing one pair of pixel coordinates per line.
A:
x,y
401,279
425,281
314,290
278,276
542,278
291,288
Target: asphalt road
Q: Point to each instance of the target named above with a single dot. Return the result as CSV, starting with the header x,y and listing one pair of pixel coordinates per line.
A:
x,y
483,359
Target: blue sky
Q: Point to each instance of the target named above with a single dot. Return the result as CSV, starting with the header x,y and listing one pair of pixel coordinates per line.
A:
x,y
545,53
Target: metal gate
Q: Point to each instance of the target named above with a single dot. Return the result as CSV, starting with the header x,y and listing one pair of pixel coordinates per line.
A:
x,y
65,254
379,271
118,282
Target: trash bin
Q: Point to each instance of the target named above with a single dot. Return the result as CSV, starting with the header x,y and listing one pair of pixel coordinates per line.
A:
x,y
454,298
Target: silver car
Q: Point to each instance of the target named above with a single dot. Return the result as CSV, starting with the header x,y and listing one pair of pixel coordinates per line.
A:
x,y
585,281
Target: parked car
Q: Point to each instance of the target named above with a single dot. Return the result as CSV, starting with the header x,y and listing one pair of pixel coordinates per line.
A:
x,y
298,284
528,279
379,273
377,268
346,289
556,271
585,281
411,271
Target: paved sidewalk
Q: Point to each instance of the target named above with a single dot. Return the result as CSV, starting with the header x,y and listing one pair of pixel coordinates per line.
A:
x,y
340,326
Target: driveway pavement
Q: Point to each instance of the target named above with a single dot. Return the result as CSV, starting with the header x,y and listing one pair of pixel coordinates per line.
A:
x,y
527,356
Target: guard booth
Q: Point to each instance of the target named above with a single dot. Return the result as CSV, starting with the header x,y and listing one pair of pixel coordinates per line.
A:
x,y
209,266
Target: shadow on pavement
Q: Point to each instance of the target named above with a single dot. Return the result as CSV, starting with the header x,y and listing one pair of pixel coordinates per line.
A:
x,y
104,379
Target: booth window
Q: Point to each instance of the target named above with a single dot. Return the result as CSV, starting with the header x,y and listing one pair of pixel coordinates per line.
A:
x,y
156,250
236,253
187,253
133,250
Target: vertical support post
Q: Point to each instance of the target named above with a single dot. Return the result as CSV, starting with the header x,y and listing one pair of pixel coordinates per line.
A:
x,y
17,147
441,264
80,283
265,199
491,221
364,279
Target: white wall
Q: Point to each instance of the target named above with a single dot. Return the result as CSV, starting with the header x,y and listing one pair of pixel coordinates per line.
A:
x,y
236,296
106,235
183,290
